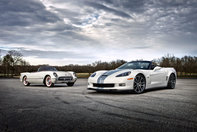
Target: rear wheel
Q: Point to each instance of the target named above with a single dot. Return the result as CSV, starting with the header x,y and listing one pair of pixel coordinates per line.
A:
x,y
139,84
70,84
171,81
25,82
48,81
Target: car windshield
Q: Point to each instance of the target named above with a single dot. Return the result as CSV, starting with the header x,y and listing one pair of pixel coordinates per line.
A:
x,y
136,65
47,68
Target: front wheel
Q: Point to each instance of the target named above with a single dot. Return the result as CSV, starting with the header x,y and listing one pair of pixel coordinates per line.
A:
x,y
70,84
48,81
139,84
171,81
25,82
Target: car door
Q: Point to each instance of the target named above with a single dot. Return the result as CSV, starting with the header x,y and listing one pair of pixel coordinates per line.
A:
x,y
35,77
157,76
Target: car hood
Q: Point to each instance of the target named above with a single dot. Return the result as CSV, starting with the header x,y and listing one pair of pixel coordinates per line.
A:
x,y
113,72
62,73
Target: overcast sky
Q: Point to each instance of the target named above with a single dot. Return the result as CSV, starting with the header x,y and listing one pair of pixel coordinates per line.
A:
x,y
60,32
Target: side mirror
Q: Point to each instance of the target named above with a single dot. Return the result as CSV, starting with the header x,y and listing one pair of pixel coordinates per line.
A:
x,y
152,66
156,68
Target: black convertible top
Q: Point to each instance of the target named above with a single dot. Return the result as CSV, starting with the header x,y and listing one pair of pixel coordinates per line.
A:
x,y
141,61
146,65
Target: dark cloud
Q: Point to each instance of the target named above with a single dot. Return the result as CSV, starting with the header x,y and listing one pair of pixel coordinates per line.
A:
x,y
24,13
108,9
78,29
134,6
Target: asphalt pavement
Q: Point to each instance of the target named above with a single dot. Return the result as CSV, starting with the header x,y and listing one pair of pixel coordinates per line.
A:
x,y
62,108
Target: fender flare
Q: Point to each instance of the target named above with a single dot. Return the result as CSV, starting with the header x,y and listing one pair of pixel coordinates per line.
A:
x,y
45,78
169,73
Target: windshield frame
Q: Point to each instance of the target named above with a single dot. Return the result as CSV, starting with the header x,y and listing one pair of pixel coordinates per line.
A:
x,y
148,67
46,68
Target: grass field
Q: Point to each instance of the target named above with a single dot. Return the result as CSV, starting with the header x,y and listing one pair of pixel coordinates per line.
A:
x,y
83,75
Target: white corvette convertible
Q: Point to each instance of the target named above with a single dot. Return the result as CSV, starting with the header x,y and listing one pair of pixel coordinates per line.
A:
x,y
48,76
135,75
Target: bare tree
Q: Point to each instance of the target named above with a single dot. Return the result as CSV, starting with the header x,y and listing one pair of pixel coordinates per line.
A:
x,y
13,62
0,58
16,55
24,63
7,63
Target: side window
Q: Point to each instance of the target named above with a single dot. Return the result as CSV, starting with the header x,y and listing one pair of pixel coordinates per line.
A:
x,y
40,69
153,66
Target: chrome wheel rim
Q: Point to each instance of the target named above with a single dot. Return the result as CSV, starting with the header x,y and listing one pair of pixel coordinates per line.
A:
x,y
48,81
25,82
172,81
139,84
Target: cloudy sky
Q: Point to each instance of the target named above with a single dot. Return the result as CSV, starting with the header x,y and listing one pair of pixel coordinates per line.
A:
x,y
60,32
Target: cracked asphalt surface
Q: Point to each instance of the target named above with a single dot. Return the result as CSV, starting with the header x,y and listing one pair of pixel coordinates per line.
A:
x,y
62,108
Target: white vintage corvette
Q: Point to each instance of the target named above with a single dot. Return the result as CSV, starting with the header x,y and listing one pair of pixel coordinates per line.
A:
x,y
135,75
48,76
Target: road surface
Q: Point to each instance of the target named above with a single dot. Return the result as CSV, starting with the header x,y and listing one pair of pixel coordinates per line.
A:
x,y
62,108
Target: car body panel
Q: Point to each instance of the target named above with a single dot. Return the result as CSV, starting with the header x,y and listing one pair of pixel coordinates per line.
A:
x,y
158,77
39,77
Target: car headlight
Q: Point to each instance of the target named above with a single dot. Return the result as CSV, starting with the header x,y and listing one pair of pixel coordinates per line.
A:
x,y
94,74
55,74
124,74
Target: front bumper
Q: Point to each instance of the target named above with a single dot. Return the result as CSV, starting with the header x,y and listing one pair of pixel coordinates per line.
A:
x,y
56,80
116,85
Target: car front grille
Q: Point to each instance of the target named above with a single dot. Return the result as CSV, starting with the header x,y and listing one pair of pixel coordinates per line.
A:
x,y
65,78
103,85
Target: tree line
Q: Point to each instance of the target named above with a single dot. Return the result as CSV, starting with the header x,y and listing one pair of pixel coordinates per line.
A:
x,y
186,65
12,64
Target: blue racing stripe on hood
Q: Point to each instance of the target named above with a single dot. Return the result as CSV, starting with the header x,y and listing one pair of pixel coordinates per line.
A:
x,y
106,74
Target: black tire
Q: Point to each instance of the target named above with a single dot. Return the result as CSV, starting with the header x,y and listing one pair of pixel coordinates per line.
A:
x,y
48,81
139,84
25,82
171,81
70,84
